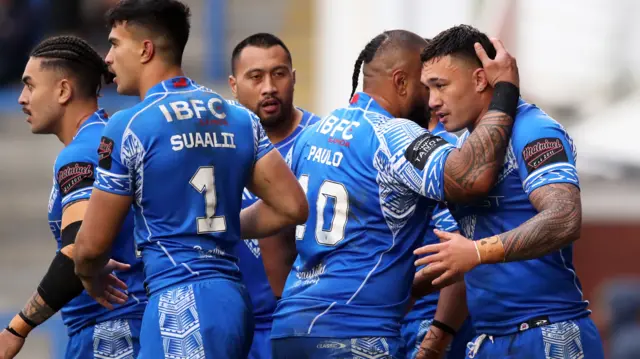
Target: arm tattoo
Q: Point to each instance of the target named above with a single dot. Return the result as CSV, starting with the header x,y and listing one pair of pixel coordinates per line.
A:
x,y
426,348
37,310
473,170
555,226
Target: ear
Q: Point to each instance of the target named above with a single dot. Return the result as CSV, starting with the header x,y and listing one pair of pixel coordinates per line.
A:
x,y
480,79
293,73
65,91
400,82
233,83
147,51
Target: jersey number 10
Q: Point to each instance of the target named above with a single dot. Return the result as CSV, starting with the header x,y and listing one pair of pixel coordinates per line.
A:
x,y
204,182
338,192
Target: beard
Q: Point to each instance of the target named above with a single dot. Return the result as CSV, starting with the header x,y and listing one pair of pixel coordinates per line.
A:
x,y
275,119
420,114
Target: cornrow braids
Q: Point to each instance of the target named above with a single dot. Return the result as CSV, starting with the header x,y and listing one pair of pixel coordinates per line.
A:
x,y
366,56
75,56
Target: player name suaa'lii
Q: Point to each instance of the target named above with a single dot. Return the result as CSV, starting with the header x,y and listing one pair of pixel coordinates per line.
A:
x,y
206,139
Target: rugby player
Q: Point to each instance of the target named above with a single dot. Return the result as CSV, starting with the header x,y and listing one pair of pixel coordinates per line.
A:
x,y
453,336
372,177
182,156
523,293
263,80
62,80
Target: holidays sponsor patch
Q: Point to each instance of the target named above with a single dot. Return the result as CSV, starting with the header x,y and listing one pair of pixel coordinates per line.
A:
x,y
74,176
421,148
104,153
543,152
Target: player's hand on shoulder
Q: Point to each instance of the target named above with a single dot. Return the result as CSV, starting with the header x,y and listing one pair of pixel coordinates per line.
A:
x,y
10,345
502,68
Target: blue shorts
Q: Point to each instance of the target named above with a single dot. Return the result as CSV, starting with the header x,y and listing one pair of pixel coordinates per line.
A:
x,y
565,340
118,338
261,347
207,319
413,333
338,348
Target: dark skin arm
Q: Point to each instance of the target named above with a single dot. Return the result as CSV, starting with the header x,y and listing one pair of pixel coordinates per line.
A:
x,y
472,171
36,309
282,202
103,219
452,311
278,254
556,225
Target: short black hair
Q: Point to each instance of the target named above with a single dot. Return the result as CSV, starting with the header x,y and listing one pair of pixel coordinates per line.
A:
x,y
167,18
393,40
77,59
458,41
262,40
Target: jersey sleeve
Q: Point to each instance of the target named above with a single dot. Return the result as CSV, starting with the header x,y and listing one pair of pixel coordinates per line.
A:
x,y
545,154
262,144
443,220
462,138
288,158
75,173
417,158
114,173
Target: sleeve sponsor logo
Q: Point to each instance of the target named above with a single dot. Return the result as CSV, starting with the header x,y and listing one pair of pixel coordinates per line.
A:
x,y
74,176
421,148
543,152
104,153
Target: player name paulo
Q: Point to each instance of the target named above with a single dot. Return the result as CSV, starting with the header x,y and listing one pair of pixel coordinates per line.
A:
x,y
325,156
205,139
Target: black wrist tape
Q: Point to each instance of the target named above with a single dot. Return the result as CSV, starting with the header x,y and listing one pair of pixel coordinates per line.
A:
x,y
445,328
27,320
13,331
60,285
505,98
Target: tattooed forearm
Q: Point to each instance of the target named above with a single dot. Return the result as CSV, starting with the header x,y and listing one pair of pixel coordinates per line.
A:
x,y
432,345
472,170
555,226
37,310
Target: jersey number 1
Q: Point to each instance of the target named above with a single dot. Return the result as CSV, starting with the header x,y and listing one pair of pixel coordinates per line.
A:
x,y
204,182
337,192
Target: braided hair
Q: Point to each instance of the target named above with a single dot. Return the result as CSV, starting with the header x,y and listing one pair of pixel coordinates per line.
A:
x,y
76,58
366,56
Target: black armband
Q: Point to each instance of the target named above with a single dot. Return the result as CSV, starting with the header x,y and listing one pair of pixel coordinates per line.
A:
x,y
505,98
13,331
419,151
68,234
60,285
445,328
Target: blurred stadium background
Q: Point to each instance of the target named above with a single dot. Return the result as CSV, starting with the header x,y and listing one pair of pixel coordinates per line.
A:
x,y
579,61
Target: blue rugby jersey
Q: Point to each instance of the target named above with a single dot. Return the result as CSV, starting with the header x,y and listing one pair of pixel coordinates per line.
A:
x,y
502,296
73,177
371,181
184,154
